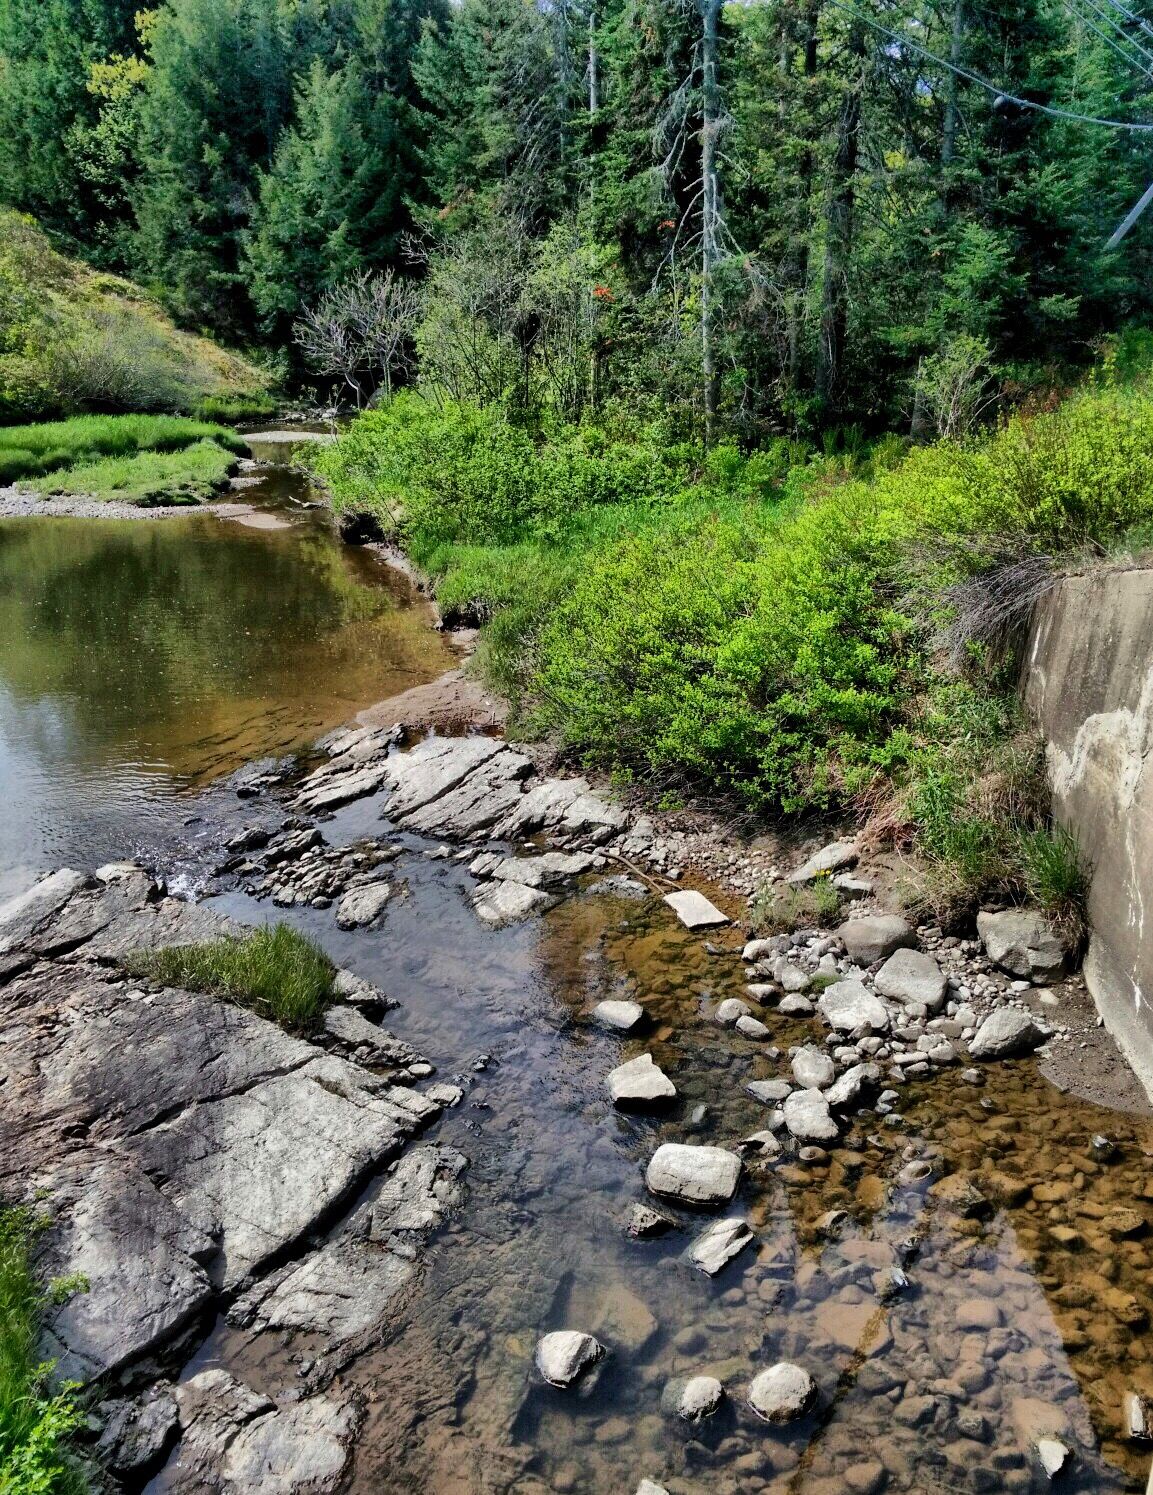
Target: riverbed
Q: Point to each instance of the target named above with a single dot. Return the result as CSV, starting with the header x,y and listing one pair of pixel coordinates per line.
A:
x,y
951,1313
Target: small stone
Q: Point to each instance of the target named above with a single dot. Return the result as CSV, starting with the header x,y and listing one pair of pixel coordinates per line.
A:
x,y
1122,1224
1103,1148
795,1005
695,1174
565,1355
751,1027
645,1222
729,1010
640,1084
1134,1418
694,910
1053,1454
979,1314
847,1090
650,1487
782,1393
445,1095
717,1246
625,1017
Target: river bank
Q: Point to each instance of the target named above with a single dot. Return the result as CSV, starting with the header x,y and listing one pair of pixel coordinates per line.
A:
x,y
862,1180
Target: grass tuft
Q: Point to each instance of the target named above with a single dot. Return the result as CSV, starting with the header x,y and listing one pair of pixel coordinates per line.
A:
x,y
276,971
1056,877
146,479
37,1420
776,910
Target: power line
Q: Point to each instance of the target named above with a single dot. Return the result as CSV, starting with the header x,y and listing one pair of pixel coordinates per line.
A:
x,y
999,93
1111,41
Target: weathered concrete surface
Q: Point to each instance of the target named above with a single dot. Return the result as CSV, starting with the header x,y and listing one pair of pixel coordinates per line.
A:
x,y
1088,679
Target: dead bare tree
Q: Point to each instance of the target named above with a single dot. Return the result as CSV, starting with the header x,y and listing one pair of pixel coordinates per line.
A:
x,y
361,331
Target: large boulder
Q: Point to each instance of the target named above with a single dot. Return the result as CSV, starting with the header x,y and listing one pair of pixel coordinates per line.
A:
x,y
874,937
694,1174
1022,942
849,1007
782,1393
1007,1032
910,976
832,858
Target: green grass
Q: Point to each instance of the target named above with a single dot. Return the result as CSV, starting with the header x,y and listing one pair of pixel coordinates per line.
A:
x,y
275,971
150,478
777,910
230,409
37,1420
33,451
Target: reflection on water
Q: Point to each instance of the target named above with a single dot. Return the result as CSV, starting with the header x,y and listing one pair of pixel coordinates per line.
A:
x,y
1026,1302
136,657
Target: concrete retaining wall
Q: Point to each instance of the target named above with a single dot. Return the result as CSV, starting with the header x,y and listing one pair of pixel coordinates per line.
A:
x,y
1088,679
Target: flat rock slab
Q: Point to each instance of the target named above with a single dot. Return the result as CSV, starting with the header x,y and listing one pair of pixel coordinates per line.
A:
x,y
694,910
694,1174
234,1439
552,869
640,1084
500,903
22,916
340,788
717,1246
832,858
363,906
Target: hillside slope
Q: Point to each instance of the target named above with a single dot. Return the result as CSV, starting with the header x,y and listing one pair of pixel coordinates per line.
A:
x,y
72,340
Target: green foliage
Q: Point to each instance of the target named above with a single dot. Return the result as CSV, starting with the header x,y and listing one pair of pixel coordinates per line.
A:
x,y
777,910
275,970
1056,877
31,451
37,1420
71,340
148,479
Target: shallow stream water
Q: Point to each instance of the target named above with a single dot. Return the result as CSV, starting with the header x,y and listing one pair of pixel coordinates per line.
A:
x,y
138,661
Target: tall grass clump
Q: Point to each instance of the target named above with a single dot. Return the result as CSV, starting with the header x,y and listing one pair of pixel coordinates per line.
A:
x,y
148,478
37,1419
32,451
273,970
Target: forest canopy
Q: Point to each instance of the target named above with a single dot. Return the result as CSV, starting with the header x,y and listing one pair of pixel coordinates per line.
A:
x,y
778,217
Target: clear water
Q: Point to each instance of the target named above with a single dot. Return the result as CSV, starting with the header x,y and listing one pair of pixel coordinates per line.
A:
x,y
140,657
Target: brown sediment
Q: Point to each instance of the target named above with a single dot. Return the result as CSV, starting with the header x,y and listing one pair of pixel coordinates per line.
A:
x,y
454,702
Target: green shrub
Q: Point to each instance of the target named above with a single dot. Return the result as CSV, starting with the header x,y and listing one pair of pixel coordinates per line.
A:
x,y
37,1420
275,970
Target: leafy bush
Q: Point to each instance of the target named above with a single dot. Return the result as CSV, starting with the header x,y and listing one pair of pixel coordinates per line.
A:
x,y
37,1420
276,971
32,451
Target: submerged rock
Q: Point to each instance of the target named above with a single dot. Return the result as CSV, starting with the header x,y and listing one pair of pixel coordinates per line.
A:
x,y
782,1393
645,1222
695,1174
1022,942
565,1355
625,1017
695,1399
694,910
717,1246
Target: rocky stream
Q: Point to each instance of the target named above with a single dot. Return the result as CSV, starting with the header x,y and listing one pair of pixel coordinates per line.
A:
x,y
579,1188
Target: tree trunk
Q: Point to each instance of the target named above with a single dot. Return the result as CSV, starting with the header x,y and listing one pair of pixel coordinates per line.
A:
x,y
839,228
594,64
949,128
710,207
